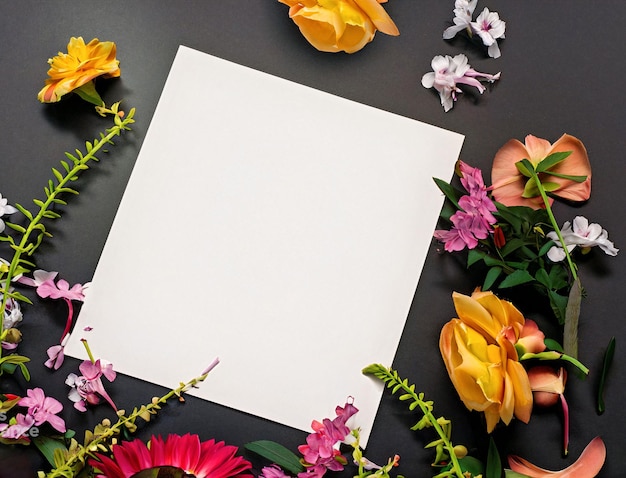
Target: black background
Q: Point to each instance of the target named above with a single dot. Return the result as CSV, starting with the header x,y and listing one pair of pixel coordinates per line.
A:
x,y
562,72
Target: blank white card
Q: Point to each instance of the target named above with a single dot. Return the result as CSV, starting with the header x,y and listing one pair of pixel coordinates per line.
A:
x,y
277,227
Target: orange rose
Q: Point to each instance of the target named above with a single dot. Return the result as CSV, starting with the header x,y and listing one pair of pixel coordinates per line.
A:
x,y
77,69
479,351
340,25
508,183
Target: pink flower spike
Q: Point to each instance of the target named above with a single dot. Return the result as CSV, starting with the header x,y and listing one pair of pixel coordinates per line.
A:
x,y
56,354
588,465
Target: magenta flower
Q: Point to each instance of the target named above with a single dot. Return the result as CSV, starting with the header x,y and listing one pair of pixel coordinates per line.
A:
x,y
475,219
273,471
320,452
43,409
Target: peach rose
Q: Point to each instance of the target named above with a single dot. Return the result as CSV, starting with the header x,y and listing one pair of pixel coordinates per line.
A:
x,y
479,352
78,67
340,25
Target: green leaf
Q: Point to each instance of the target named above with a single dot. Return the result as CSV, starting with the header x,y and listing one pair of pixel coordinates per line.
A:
x,y
494,464
47,445
57,174
530,189
525,167
515,278
513,474
606,365
452,193
551,160
474,256
471,464
511,246
576,179
88,93
491,277
276,453
558,303
552,344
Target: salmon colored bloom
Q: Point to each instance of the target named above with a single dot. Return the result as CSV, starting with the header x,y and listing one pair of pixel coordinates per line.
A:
x,y
479,352
200,459
340,25
588,465
78,68
508,183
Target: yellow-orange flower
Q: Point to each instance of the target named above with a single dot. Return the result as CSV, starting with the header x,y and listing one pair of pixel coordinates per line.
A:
x,y
479,351
80,65
508,183
340,25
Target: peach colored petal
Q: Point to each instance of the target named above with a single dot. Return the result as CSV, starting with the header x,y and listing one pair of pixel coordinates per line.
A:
x,y
537,148
588,464
576,164
521,390
380,18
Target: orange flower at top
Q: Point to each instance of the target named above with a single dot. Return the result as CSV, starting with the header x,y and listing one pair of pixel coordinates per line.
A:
x,y
340,25
508,183
79,66
480,353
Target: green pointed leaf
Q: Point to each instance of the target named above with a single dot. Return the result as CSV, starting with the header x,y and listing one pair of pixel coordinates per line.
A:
x,y
491,277
513,474
551,160
452,193
550,186
525,167
494,464
576,179
47,445
474,256
516,278
57,174
276,453
88,93
472,465
530,189
606,366
552,344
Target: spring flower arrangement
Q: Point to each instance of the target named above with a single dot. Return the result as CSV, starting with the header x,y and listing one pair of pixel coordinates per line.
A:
x,y
495,356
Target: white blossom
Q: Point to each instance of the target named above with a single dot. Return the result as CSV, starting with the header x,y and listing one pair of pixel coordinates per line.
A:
x,y
580,234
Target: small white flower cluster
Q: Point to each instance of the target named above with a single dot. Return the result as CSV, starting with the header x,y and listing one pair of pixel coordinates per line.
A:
x,y
487,26
580,234
448,72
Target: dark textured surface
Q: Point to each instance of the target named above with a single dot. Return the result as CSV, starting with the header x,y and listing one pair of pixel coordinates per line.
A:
x,y
562,72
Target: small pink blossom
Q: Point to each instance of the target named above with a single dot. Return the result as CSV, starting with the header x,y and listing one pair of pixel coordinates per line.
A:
x,y
88,387
43,409
463,11
320,452
19,429
273,471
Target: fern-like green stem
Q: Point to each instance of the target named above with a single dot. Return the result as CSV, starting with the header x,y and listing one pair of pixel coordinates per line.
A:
x,y
84,452
35,223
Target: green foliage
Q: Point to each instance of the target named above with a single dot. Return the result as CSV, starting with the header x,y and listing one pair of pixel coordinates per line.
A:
x,y
445,456
606,366
278,454
522,259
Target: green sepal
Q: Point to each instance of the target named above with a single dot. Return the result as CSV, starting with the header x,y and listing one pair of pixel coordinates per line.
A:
x,y
88,93
525,168
551,160
276,453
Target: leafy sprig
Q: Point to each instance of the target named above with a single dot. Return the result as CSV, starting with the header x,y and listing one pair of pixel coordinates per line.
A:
x,y
447,454
68,461
30,236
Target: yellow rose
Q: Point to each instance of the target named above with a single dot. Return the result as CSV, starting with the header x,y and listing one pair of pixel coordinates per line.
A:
x,y
79,66
478,349
340,25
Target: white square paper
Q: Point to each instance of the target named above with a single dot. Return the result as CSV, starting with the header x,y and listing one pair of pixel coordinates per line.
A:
x,y
277,227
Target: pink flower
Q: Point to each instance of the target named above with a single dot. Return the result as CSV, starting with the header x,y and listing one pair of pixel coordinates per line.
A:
x,y
88,387
273,471
489,28
475,219
43,409
588,465
19,430
320,452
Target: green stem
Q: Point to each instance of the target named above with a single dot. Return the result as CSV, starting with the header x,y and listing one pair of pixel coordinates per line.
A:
x,y
553,355
35,224
86,451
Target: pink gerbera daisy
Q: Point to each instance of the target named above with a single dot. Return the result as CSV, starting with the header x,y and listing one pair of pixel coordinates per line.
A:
x,y
186,454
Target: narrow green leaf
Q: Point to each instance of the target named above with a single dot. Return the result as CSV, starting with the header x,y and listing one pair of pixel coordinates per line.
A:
x,y
576,179
66,166
452,193
606,365
494,464
524,167
57,174
552,344
71,157
16,227
516,278
24,211
530,189
276,453
47,445
491,277
473,256
513,474
551,160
